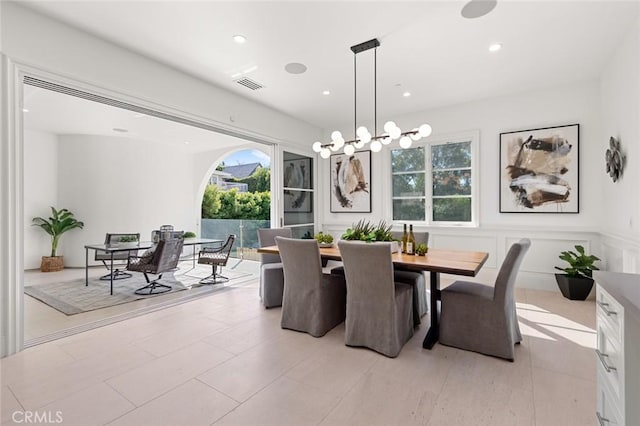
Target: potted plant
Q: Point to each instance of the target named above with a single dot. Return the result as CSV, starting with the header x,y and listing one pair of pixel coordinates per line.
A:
x,y
421,249
324,240
576,282
364,231
60,222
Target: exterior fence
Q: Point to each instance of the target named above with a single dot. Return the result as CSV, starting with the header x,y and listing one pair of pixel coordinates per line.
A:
x,y
246,232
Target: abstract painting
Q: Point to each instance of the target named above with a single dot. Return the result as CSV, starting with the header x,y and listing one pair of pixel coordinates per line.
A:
x,y
351,183
539,170
297,179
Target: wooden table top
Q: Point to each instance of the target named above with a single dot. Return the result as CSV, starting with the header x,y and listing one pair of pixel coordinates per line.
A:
x,y
458,262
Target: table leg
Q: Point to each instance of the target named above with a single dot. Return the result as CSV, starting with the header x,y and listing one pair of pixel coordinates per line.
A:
x,y
86,267
432,334
194,256
111,273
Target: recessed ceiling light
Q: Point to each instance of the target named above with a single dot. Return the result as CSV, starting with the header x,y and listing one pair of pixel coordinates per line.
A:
x,y
295,68
478,8
495,47
406,94
186,142
25,110
119,130
239,38
326,92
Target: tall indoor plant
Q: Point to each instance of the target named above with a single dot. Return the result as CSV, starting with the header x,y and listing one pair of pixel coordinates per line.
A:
x,y
576,282
60,222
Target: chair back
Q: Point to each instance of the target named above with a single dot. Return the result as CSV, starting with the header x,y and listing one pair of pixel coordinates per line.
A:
x,y
420,237
301,264
505,281
114,238
267,237
217,255
167,255
368,269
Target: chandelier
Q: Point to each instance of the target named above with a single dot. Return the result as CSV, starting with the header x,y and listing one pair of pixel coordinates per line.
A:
x,y
362,136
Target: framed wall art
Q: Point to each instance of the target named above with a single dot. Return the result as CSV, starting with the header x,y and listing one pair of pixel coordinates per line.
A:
x,y
297,182
539,170
351,182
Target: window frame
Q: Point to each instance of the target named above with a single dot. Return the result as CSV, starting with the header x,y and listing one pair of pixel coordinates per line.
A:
x,y
473,137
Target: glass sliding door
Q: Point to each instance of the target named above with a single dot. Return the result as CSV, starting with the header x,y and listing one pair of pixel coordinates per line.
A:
x,y
298,194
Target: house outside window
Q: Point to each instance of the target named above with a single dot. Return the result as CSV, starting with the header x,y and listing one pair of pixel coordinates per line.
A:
x,y
435,181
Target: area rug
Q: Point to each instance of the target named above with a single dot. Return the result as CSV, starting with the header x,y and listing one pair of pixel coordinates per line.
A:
x,y
73,297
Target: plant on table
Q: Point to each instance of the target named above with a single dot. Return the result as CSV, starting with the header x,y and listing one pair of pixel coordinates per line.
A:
x,y
421,249
189,234
576,282
364,231
324,238
128,239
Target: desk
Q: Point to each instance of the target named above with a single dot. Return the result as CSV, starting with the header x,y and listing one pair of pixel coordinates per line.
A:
x,y
141,245
457,262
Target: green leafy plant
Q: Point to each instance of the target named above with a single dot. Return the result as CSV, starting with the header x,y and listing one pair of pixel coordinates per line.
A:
x,y
189,234
128,239
580,263
421,249
364,231
324,238
60,222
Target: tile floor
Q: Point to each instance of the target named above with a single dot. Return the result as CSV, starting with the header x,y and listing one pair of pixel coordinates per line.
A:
x,y
224,359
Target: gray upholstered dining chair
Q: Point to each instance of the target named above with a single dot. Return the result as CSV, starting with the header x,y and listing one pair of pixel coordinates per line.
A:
x,y
217,257
379,310
271,273
414,278
482,318
313,302
163,257
111,239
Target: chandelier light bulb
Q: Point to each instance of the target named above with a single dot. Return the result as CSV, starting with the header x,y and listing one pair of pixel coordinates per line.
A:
x,y
358,144
405,142
317,146
395,133
387,139
349,149
376,146
415,136
361,131
388,126
366,138
325,153
425,130
336,135
339,143
334,147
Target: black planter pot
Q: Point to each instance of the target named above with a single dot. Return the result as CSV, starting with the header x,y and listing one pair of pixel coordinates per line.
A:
x,y
574,288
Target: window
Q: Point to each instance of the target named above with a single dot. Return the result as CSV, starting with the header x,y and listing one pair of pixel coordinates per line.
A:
x,y
435,182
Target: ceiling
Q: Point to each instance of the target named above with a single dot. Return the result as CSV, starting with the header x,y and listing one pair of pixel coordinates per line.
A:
x,y
62,114
427,47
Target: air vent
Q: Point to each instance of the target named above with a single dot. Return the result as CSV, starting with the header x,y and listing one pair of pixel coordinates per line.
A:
x,y
251,84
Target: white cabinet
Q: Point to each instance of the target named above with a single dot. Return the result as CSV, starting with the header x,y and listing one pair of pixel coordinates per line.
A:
x,y
618,348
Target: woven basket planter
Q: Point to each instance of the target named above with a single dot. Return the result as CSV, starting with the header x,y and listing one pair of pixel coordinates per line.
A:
x,y
52,264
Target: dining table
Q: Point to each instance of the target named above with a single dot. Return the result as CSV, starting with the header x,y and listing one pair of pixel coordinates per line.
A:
x,y
435,261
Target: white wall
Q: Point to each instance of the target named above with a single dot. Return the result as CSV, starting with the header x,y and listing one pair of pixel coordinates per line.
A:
x,y
122,185
40,192
620,88
550,233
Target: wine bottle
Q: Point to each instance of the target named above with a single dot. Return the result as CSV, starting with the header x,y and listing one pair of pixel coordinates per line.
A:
x,y
405,237
411,242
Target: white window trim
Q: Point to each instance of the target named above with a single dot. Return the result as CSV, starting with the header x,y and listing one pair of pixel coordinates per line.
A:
x,y
474,137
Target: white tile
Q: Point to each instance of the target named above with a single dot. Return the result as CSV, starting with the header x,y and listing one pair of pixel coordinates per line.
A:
x,y
192,403
156,377
96,405
62,382
248,334
36,362
8,404
561,399
284,402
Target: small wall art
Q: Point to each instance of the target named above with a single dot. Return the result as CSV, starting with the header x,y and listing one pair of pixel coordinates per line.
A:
x,y
614,159
351,183
539,170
